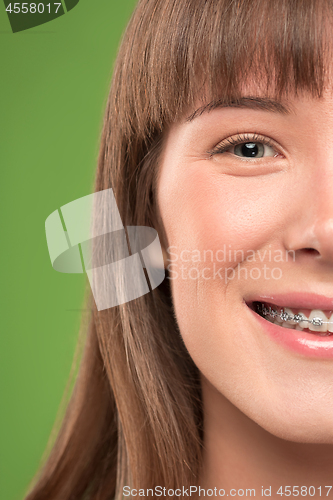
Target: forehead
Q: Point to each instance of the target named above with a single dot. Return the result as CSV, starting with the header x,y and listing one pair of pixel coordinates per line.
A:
x,y
260,94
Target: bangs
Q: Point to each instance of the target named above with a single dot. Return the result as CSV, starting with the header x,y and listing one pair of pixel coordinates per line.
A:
x,y
191,50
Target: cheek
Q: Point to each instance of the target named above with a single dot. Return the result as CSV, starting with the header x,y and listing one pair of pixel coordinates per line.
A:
x,y
204,210
211,221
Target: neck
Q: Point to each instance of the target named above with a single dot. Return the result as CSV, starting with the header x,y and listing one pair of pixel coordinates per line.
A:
x,y
240,454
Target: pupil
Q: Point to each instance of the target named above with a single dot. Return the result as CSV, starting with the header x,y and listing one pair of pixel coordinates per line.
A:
x,y
250,149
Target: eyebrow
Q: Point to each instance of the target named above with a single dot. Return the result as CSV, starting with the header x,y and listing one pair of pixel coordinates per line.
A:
x,y
262,103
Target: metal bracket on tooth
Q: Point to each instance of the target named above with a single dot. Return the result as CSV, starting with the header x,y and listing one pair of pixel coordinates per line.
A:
x,y
273,313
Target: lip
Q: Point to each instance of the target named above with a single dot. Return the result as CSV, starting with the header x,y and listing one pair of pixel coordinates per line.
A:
x,y
301,300
298,341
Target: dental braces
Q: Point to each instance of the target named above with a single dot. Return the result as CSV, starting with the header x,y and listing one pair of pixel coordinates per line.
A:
x,y
298,318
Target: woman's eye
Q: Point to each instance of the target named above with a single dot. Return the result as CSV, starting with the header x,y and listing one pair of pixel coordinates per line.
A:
x,y
247,147
252,150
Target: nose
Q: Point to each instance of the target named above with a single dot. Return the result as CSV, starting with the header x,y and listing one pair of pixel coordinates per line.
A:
x,y
310,235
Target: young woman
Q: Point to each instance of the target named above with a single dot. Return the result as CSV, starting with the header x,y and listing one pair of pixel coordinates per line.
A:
x,y
218,133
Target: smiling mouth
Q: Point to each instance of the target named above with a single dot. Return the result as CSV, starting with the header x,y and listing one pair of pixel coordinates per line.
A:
x,y
313,321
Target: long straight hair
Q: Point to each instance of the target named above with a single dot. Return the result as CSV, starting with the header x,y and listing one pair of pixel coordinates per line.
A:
x,y
135,415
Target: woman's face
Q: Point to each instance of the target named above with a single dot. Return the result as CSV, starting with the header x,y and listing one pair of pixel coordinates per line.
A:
x,y
246,198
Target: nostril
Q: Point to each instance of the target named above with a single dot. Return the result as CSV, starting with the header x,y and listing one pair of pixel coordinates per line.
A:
x,y
310,251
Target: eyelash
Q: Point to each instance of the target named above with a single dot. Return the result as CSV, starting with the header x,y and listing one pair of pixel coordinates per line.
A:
x,y
241,139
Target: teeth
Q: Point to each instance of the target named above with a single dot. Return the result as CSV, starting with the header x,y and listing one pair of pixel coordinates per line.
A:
x,y
316,313
303,324
316,322
286,324
289,321
330,326
278,319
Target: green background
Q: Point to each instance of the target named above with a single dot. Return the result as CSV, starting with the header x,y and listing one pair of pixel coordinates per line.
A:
x,y
54,85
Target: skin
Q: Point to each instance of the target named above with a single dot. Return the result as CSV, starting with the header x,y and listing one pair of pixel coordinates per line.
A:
x,y
268,411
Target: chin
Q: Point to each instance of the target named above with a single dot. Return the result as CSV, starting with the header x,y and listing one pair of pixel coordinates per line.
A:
x,y
298,426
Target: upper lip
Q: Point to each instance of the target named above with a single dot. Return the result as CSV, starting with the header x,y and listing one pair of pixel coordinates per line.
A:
x,y
301,300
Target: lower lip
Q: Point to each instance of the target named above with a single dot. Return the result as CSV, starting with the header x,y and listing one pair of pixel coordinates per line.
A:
x,y
298,341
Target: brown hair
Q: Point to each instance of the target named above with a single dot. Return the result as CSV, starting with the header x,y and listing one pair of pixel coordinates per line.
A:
x,y
135,415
